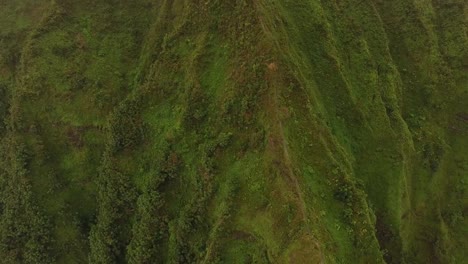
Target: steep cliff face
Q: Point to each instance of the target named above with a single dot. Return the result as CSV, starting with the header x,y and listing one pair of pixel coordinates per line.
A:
x,y
244,131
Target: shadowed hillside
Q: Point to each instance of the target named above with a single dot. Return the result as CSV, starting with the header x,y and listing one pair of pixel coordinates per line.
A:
x,y
243,131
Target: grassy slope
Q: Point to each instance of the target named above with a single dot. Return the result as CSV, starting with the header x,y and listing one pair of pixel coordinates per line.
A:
x,y
238,132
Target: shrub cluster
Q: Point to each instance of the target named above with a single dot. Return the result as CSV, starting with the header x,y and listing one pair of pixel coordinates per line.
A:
x,y
24,230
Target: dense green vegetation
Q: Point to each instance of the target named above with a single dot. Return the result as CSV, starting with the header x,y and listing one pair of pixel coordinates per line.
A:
x,y
186,131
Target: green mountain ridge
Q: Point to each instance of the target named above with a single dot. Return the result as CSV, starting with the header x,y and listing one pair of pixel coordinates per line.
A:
x,y
245,131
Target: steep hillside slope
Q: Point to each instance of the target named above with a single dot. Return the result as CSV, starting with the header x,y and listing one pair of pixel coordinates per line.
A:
x,y
186,131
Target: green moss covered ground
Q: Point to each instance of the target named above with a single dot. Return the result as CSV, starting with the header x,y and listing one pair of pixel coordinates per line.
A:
x,y
186,131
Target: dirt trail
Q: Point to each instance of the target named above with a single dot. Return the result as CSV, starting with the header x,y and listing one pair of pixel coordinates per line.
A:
x,y
279,144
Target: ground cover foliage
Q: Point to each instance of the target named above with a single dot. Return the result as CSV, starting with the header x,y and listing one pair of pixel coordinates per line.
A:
x,y
244,131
